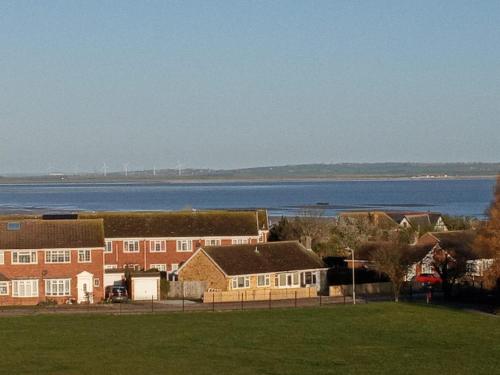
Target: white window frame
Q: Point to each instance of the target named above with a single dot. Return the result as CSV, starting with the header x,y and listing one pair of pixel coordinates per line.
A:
x,y
184,246
162,246
84,252
2,257
4,284
111,266
65,255
108,246
278,280
18,285
58,287
97,282
174,267
314,277
162,267
17,253
267,280
213,242
235,282
239,241
136,247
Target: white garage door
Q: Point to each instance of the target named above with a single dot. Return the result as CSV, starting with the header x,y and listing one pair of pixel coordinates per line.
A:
x,y
144,288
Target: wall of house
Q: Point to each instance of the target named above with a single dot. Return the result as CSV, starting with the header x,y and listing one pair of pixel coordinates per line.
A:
x,y
43,271
145,258
201,268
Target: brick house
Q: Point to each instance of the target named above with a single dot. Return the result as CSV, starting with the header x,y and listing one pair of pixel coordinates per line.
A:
x,y
165,240
61,260
259,267
445,244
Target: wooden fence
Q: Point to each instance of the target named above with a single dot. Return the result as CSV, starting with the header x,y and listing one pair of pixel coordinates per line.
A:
x,y
258,295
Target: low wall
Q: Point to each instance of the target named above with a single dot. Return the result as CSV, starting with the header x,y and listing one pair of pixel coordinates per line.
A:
x,y
370,288
259,295
187,289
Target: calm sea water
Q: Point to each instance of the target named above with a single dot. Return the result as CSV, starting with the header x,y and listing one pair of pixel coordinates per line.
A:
x,y
456,197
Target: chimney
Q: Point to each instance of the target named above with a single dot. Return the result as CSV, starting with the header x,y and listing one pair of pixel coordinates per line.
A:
x,y
306,241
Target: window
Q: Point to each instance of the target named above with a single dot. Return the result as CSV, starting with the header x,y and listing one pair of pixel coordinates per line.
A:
x,y
157,246
57,256
174,267
184,245
109,247
261,237
132,266
239,241
309,278
13,226
58,287
110,266
84,256
159,267
263,280
25,288
97,282
2,257
427,268
4,288
287,280
241,282
212,242
24,257
131,246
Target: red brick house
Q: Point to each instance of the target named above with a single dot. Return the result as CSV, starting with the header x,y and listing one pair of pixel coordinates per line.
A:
x,y
165,240
61,260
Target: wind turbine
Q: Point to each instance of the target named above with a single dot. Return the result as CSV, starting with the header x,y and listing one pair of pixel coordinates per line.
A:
x,y
125,169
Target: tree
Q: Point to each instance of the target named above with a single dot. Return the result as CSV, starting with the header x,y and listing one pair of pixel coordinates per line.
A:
x,y
308,224
460,222
487,243
450,264
394,259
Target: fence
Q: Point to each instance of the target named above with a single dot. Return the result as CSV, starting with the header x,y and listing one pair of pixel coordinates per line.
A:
x,y
187,289
361,289
259,295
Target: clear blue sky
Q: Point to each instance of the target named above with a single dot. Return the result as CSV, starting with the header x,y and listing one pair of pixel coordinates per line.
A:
x,y
247,83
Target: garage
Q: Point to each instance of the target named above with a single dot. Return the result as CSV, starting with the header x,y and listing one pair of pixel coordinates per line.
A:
x,y
145,287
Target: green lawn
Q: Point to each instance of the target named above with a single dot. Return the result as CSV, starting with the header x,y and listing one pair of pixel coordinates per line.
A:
x,y
363,339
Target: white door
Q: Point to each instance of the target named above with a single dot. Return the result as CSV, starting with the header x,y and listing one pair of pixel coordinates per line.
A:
x,y
145,288
85,286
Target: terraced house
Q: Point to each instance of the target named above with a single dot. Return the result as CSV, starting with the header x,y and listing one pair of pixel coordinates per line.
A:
x,y
61,260
164,240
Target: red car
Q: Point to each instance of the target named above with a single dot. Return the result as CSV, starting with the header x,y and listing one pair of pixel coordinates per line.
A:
x,y
428,278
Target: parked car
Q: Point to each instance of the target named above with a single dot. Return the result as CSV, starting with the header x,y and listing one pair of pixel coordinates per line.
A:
x,y
116,293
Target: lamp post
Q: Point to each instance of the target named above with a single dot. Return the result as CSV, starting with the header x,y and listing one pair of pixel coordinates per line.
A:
x,y
353,277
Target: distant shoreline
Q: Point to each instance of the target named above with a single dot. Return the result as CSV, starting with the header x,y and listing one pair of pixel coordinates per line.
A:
x,y
68,180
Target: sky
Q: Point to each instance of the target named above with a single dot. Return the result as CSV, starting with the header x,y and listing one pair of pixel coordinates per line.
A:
x,y
230,84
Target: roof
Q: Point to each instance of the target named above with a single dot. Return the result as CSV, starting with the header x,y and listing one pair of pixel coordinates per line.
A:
x,y
460,241
52,234
263,258
177,224
379,218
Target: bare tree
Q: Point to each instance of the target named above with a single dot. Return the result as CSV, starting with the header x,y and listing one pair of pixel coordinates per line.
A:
x,y
394,259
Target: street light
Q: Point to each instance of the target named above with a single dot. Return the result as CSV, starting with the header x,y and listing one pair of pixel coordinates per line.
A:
x,y
353,277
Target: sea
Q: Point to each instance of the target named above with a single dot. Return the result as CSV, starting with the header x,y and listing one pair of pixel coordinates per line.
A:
x,y
462,197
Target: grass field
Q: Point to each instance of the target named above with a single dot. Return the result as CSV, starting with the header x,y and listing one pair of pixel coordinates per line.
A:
x,y
363,339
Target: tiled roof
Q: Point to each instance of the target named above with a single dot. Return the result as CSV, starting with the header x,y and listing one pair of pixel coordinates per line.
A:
x,y
177,224
51,234
264,258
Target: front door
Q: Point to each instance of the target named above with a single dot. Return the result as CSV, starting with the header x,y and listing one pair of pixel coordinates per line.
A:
x,y
85,287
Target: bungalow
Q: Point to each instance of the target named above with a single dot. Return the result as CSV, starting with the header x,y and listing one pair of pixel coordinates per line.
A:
x,y
256,267
164,240
61,260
